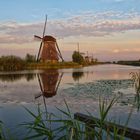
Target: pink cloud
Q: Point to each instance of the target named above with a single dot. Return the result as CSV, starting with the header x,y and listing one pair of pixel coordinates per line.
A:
x,y
86,24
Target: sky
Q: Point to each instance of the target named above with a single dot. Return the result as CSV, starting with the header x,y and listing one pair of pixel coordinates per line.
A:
x,y
107,29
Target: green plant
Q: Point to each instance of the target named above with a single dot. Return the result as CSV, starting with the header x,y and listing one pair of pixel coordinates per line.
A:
x,y
1,131
74,129
136,79
100,128
38,128
135,76
104,108
69,128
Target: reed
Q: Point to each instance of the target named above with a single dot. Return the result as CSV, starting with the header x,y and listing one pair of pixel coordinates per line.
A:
x,y
69,128
135,76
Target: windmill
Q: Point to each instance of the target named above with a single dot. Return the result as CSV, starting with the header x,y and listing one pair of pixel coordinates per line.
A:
x,y
49,49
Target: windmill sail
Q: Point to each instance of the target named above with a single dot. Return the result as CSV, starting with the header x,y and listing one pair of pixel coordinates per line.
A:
x,y
37,37
42,40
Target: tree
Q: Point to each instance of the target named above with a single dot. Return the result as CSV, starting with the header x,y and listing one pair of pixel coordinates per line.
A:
x,y
77,57
30,58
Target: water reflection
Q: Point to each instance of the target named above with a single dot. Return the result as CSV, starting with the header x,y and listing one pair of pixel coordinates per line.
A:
x,y
16,77
77,75
137,101
137,97
49,82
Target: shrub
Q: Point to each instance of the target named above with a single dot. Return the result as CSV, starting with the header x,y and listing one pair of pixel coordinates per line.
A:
x,y
11,63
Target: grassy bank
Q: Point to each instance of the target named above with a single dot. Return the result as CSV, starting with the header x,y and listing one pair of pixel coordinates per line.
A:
x,y
131,63
49,65
14,63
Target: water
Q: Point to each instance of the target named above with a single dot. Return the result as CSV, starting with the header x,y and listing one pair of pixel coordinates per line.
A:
x,y
80,87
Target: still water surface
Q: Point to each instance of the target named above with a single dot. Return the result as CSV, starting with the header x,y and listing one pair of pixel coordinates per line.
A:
x,y
80,87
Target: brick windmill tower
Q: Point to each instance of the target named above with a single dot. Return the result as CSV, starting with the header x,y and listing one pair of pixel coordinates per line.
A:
x,y
49,50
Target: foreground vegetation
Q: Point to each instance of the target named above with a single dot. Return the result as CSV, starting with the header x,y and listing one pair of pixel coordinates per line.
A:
x,y
66,127
14,63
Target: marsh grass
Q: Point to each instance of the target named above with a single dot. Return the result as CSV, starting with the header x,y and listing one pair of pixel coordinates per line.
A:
x,y
136,80
1,131
5,133
68,128
101,130
135,76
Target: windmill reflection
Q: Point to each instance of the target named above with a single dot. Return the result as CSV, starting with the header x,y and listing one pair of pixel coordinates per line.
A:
x,y
77,75
49,82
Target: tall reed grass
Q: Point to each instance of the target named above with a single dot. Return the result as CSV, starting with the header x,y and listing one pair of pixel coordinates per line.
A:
x,y
68,128
136,82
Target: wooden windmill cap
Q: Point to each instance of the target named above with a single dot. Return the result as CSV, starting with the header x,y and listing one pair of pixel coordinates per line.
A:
x,y
49,38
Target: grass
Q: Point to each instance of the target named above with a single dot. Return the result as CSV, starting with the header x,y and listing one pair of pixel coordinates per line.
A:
x,y
136,82
1,131
65,127
69,128
49,65
15,63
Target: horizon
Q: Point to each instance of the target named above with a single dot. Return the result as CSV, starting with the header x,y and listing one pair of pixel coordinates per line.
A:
x,y
108,29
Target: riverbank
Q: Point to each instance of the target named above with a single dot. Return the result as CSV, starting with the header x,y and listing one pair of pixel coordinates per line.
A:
x,y
17,64
130,63
58,65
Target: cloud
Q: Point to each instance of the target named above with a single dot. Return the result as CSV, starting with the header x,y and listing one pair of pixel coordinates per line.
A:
x,y
84,24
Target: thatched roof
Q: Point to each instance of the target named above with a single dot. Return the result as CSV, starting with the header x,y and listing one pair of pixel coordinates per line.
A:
x,y
49,38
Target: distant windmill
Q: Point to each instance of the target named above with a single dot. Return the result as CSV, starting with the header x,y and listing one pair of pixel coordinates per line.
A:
x,y
48,50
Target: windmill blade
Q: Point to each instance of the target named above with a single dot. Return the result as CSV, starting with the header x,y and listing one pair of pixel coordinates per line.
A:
x,y
59,52
39,51
45,27
38,95
37,37
60,78
42,39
